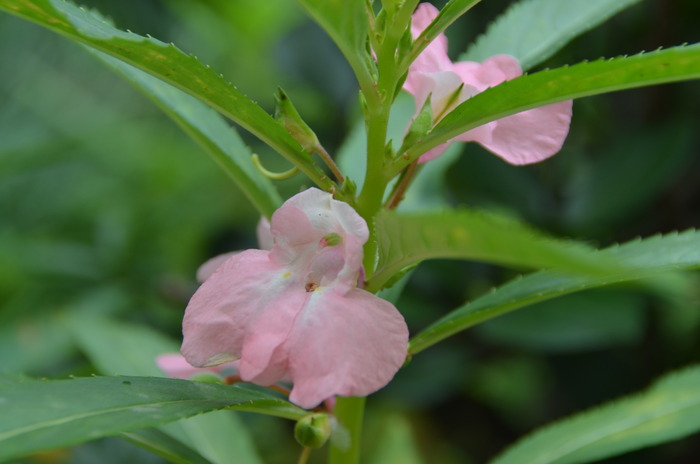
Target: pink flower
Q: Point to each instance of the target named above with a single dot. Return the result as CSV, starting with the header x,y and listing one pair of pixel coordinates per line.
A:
x,y
295,312
176,366
522,138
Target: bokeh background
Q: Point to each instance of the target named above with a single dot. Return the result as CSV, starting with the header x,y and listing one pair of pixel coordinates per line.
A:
x,y
107,209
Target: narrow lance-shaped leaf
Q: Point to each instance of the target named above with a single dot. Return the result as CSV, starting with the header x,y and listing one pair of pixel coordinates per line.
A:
x,y
533,30
633,261
448,15
45,414
209,130
171,65
666,411
163,445
346,22
405,239
118,348
545,87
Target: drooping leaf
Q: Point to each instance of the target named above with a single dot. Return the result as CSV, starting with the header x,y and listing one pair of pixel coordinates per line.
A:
x,y
168,63
533,30
346,22
118,348
545,87
209,130
666,411
45,414
634,260
408,238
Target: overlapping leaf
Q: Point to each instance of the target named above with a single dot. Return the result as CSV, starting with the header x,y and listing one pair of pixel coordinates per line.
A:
x,y
634,260
405,239
533,30
545,87
169,64
83,409
668,410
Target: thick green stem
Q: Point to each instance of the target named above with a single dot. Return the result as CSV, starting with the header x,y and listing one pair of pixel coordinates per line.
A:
x,y
346,449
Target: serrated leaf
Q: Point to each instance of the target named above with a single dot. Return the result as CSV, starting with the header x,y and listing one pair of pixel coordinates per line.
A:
x,y
127,349
668,410
168,63
533,30
634,260
346,22
45,414
405,239
209,130
545,87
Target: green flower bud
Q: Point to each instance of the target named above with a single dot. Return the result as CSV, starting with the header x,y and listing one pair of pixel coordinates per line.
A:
x,y
313,430
331,239
287,115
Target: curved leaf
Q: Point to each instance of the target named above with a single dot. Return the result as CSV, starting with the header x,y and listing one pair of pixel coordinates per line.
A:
x,y
533,30
633,261
44,414
545,87
405,239
168,63
209,130
666,411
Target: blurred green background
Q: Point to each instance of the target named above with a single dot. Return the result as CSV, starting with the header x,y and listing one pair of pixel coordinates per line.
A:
x,y
107,209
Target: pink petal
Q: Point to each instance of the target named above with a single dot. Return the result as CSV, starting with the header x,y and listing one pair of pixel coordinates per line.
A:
x,y
212,264
219,314
347,344
527,137
176,366
264,234
434,57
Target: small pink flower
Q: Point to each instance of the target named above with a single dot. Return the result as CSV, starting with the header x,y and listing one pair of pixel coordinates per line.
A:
x,y
176,366
295,312
522,138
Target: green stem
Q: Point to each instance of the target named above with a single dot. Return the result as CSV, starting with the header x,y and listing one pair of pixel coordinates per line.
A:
x,y
349,412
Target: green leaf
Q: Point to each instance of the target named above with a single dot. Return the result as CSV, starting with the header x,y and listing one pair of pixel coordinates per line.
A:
x,y
209,130
533,30
45,414
346,22
545,87
169,64
165,446
634,260
127,349
668,410
408,238
448,15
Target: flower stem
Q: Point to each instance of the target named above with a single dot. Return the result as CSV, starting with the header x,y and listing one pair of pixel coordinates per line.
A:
x,y
304,457
349,412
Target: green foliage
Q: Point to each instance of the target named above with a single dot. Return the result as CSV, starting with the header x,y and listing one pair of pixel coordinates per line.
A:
x,y
668,410
169,64
88,408
634,260
163,445
409,238
128,349
346,23
209,130
533,30
545,87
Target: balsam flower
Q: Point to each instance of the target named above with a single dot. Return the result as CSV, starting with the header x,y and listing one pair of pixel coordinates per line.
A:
x,y
295,312
522,138
176,366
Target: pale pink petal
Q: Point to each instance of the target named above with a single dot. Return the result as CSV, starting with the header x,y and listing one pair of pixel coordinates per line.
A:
x,y
212,264
347,344
264,234
176,366
218,316
527,137
434,57
490,73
